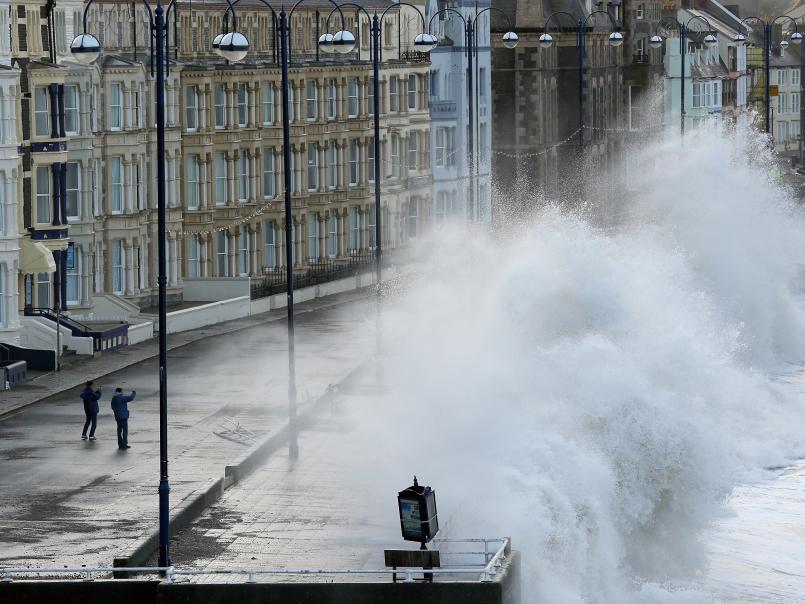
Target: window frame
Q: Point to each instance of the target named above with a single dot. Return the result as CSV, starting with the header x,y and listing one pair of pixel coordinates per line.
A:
x,y
191,108
74,110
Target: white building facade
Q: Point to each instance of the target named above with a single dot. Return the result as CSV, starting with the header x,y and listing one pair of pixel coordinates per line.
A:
x,y
450,113
9,184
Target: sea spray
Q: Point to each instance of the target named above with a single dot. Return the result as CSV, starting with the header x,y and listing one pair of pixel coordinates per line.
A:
x,y
595,391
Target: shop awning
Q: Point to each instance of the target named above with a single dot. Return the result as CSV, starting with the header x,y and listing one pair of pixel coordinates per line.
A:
x,y
36,258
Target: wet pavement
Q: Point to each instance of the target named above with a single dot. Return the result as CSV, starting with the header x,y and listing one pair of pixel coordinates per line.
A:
x,y
64,501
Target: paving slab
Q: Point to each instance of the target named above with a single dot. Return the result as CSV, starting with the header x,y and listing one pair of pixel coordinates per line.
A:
x,y
66,501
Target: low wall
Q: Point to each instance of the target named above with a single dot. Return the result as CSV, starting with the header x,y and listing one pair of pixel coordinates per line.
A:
x,y
141,332
208,314
212,289
309,293
150,592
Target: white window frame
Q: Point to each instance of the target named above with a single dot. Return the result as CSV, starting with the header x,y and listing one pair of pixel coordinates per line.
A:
x,y
74,276
440,147
243,178
221,180
395,156
118,266
354,229
41,114
116,188
413,150
412,219
354,172
44,202
313,237
332,99
312,100
73,191
115,106
370,159
312,167
270,244
191,107
243,105
192,180
244,251
268,103
219,102
222,254
413,91
332,166
394,98
352,97
269,174
332,235
72,110
193,257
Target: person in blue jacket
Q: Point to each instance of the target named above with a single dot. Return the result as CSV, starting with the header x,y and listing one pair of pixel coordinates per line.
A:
x,y
120,406
90,398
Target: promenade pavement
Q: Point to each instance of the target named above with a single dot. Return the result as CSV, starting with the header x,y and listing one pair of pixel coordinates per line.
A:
x,y
64,501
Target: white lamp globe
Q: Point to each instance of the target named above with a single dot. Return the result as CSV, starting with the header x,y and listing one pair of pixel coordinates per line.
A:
x,y
343,42
234,46
615,39
546,40
326,43
510,39
85,48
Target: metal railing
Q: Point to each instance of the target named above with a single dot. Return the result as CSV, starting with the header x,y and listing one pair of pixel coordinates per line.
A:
x,y
493,561
102,339
317,272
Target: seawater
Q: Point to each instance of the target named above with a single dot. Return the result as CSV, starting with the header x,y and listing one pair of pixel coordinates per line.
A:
x,y
607,392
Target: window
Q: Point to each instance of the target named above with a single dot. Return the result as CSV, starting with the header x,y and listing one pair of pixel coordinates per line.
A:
x,y
312,99
291,102
270,239
243,105
412,91
115,107
332,100
41,111
440,211
268,103
370,158
353,161
332,165
243,178
794,102
782,132
482,80
795,76
697,95
332,235
440,144
2,295
312,237
268,173
312,167
193,257
413,150
782,77
220,179
191,178
413,217
352,90
117,184
354,230
794,132
71,112
219,100
141,264
395,156
43,205
243,252
371,226
394,100
74,277
640,12
73,191
782,103
118,257
221,253
137,115
43,290
191,108
371,96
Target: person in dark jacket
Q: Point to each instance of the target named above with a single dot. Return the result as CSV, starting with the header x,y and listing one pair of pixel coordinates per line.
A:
x,y
90,398
120,407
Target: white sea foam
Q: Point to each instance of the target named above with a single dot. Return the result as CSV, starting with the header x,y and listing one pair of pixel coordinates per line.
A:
x,y
595,392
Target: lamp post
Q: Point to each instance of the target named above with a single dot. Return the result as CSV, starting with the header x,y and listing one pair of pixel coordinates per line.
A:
x,y
86,49
424,42
710,40
510,40
740,38
615,40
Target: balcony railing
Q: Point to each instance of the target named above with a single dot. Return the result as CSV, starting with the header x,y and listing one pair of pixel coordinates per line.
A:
x,y
317,272
640,57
